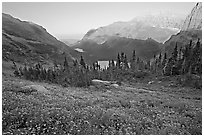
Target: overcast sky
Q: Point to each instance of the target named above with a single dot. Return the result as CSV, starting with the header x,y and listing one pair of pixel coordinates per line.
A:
x,y
63,19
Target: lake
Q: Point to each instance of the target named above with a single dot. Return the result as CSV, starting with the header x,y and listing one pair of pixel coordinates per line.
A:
x,y
103,64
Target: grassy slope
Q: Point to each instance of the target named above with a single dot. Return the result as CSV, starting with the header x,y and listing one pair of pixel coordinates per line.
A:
x,y
138,109
24,41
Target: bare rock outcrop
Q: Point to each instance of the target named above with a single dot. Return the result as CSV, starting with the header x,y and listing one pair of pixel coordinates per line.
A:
x,y
101,83
33,88
194,19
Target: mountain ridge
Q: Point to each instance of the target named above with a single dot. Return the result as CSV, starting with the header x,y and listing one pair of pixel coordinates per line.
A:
x,y
25,40
191,30
137,28
194,19
108,50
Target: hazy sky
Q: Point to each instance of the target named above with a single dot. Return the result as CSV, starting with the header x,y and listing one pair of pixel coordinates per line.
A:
x,y
63,19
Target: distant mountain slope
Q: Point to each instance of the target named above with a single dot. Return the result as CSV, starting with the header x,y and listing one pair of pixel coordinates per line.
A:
x,y
194,19
145,49
23,40
163,20
191,30
157,28
69,42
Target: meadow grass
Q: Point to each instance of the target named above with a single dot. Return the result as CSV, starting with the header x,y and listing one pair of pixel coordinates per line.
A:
x,y
94,111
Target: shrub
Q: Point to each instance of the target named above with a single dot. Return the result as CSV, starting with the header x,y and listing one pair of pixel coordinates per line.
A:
x,y
191,80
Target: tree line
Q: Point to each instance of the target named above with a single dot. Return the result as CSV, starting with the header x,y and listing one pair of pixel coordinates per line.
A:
x,y
184,60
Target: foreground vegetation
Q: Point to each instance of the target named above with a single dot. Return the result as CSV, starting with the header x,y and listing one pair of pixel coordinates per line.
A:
x,y
157,108
157,97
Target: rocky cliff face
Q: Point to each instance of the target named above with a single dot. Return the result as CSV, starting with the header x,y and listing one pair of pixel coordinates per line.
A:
x,y
191,30
194,19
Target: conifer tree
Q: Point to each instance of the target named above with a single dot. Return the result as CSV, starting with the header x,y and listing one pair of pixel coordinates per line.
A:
x,y
16,72
82,62
132,61
196,58
94,66
75,63
118,61
175,54
160,60
174,70
109,64
66,66
25,72
113,63
122,57
159,64
14,65
153,64
147,65
168,67
21,71
164,60
126,66
187,58
134,55
180,55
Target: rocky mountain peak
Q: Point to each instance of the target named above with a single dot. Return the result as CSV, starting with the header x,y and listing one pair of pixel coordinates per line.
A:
x,y
194,19
138,28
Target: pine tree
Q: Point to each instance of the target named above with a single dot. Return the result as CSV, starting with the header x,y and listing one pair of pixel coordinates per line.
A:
x,y
160,60
109,64
14,66
126,66
168,67
122,60
174,70
25,72
122,56
134,55
147,65
175,54
154,64
75,63
66,65
164,60
94,66
118,61
82,62
16,72
187,58
21,71
196,58
180,55
180,60
113,63
132,61
159,64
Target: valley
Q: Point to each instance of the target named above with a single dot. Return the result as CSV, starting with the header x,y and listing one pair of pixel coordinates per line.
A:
x,y
160,108
136,77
